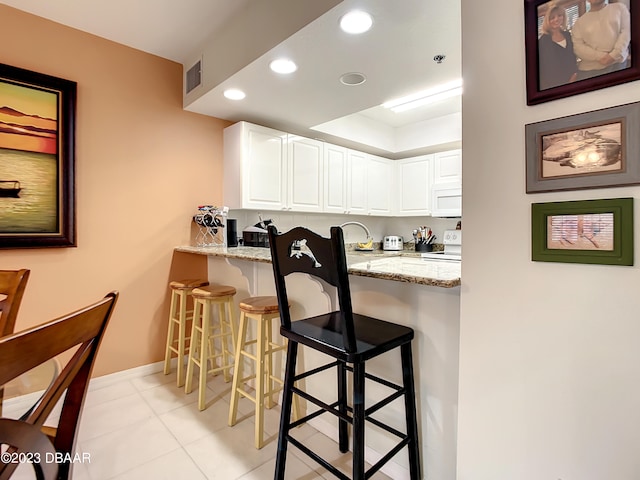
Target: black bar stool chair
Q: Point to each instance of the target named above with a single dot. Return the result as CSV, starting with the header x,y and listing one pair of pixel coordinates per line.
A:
x,y
351,339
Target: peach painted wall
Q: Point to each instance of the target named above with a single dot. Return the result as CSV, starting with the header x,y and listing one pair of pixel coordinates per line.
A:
x,y
142,166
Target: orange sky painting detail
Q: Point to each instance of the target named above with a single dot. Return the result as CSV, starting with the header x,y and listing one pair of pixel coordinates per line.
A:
x,y
28,119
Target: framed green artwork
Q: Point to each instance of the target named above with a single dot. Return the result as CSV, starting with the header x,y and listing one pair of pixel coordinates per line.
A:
x,y
585,231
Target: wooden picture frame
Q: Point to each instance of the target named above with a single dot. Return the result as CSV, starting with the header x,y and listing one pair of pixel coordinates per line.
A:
x,y
585,231
545,61
589,150
37,159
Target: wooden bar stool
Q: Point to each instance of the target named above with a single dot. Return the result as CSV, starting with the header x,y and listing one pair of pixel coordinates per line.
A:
x,y
259,349
179,316
211,344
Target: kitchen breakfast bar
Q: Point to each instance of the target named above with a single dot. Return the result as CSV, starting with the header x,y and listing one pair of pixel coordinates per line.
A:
x,y
402,288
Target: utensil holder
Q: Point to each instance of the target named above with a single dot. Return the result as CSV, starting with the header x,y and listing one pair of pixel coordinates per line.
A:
x,y
424,247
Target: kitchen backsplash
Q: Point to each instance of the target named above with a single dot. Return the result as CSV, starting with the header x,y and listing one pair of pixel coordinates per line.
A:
x,y
321,222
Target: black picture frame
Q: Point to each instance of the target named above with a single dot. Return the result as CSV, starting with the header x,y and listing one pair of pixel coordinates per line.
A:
x,y
37,159
609,244
536,95
590,129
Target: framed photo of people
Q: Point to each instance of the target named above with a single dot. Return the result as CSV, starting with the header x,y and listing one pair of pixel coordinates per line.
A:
x,y
577,46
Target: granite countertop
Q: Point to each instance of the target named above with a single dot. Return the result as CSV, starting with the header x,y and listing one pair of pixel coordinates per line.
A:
x,y
402,266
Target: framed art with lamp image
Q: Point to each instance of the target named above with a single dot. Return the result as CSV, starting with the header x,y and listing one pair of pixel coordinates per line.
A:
x,y
589,150
577,46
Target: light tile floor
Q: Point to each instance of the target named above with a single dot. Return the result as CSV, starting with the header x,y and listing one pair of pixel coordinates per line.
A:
x,y
148,428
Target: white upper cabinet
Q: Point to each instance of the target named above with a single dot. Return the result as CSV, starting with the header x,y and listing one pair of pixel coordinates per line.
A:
x,y
447,167
335,178
356,182
266,169
413,186
305,174
446,194
380,186
254,172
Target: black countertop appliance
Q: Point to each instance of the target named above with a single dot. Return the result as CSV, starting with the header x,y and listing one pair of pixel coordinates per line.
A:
x,y
257,235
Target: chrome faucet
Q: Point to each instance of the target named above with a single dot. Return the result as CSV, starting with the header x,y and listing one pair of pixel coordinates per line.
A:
x,y
361,225
361,246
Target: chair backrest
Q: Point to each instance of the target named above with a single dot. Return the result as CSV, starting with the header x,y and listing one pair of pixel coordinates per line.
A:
x,y
302,251
12,284
26,441
82,331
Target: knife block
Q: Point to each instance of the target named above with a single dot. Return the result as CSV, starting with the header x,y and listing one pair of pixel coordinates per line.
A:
x,y
424,247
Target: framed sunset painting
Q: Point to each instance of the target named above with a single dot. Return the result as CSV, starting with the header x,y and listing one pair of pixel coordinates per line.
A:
x,y
37,159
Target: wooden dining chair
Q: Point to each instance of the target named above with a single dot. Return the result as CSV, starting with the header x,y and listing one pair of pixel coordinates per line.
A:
x,y
12,285
81,331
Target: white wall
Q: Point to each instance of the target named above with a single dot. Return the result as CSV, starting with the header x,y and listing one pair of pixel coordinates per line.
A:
x,y
549,353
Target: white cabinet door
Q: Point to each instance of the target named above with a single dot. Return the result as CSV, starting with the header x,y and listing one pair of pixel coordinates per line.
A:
x,y
413,186
356,183
255,160
335,178
447,167
447,200
305,174
380,185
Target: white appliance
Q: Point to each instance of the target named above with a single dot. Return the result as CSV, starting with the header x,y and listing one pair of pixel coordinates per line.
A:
x,y
452,247
393,243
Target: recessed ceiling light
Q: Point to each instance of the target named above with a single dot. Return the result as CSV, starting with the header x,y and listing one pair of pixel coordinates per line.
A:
x,y
353,78
234,94
356,21
283,65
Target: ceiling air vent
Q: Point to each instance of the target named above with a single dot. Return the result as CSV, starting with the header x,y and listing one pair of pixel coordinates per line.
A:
x,y
194,76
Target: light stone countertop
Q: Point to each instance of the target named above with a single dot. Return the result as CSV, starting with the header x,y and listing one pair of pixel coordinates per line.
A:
x,y
405,266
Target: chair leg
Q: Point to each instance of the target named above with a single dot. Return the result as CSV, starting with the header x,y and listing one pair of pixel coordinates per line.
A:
x,y
285,413
260,380
270,387
237,371
224,349
343,425
170,333
205,354
182,326
193,349
227,347
410,409
358,421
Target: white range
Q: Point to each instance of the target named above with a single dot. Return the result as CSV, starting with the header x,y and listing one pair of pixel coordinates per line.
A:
x,y
452,247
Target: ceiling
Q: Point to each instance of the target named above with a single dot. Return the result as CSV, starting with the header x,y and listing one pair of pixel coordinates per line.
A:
x,y
396,56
